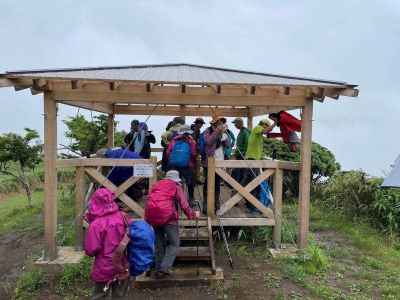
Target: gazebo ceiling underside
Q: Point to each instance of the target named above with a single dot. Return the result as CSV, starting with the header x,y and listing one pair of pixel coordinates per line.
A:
x,y
177,89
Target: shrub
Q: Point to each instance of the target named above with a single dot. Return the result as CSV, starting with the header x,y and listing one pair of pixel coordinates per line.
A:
x,y
73,274
323,163
357,195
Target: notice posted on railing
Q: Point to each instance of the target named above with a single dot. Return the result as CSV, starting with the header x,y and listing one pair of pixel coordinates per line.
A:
x,y
143,170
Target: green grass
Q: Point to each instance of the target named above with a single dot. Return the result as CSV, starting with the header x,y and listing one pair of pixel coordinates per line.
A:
x,y
29,283
15,215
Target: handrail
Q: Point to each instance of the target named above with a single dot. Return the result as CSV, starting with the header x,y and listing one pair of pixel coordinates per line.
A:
x,y
104,162
266,164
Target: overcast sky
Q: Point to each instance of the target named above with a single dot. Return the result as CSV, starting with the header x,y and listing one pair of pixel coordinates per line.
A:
x,y
353,41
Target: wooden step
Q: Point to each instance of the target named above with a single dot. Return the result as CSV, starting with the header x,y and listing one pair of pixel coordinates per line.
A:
x,y
190,254
181,277
191,234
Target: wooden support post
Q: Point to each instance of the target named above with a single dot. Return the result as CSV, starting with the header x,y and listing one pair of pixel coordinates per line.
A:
x,y
50,176
278,187
250,121
211,187
305,173
110,131
79,206
153,180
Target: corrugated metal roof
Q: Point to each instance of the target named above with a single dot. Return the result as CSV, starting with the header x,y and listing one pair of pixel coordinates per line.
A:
x,y
176,73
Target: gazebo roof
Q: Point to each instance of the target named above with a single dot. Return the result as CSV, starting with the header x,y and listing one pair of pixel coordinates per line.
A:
x,y
176,73
176,89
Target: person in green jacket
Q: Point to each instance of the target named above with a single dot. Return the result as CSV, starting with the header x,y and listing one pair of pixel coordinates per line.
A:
x,y
241,147
255,151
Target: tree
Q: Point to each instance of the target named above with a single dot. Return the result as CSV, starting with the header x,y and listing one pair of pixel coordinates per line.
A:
x,y
323,162
89,136
22,151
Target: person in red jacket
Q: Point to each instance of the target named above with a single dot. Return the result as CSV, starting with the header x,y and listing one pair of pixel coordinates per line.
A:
x,y
161,212
288,125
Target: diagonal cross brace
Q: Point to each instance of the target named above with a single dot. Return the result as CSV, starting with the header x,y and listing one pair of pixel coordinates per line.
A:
x,y
245,192
101,179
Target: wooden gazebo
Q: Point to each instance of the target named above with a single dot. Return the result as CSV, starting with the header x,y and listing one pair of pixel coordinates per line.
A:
x,y
177,90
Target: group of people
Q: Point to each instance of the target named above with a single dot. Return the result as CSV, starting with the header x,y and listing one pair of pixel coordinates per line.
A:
x,y
182,145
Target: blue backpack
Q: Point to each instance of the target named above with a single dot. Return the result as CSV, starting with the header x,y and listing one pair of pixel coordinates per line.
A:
x,y
141,247
202,146
180,154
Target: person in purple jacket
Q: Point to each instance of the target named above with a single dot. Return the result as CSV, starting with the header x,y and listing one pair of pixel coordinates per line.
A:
x,y
107,227
216,140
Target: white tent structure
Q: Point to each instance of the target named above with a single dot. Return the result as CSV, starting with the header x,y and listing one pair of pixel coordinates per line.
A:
x,y
393,179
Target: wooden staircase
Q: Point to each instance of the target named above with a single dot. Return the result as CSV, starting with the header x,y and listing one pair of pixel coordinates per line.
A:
x,y
195,262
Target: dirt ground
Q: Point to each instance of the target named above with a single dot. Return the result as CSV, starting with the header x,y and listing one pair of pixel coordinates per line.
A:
x,y
15,250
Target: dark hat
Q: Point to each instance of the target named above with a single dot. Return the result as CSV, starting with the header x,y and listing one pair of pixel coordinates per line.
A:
x,y
237,120
135,122
199,121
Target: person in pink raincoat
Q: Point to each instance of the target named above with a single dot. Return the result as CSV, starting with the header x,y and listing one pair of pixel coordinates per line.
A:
x,y
107,227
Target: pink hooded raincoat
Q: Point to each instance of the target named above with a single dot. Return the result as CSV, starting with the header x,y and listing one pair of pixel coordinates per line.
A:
x,y
106,229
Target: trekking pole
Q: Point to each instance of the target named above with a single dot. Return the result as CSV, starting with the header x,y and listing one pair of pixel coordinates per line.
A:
x,y
228,252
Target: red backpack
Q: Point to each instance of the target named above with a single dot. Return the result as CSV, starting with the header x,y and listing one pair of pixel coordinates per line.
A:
x,y
161,203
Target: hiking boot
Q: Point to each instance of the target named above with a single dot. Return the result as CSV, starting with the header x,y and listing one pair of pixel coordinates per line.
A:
x,y
161,275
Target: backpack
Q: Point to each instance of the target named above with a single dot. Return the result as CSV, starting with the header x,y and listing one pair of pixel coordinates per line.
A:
x,y
180,154
141,247
228,149
161,204
137,247
202,146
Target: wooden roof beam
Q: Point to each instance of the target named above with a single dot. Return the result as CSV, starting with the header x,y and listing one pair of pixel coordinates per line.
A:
x,y
177,98
179,110
94,106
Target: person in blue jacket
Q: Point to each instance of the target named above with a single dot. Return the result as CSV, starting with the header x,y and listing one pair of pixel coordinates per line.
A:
x,y
119,175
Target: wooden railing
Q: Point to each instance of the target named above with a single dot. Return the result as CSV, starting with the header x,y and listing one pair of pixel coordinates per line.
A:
x,y
268,168
92,167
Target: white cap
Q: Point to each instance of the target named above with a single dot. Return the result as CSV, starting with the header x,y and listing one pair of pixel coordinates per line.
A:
x,y
173,175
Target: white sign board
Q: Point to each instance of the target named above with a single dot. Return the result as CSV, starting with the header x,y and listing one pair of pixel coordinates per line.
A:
x,y
143,170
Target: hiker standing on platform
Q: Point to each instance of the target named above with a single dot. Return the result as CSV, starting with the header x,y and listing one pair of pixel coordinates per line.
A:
x,y
196,127
288,125
241,147
181,156
135,138
162,213
215,141
107,227
255,150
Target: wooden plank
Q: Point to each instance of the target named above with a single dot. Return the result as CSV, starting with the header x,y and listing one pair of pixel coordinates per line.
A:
x,y
190,234
177,111
250,120
150,98
110,131
265,164
190,253
108,184
50,177
79,206
278,188
4,82
245,193
126,185
211,187
181,278
94,106
105,162
237,197
305,174
211,245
